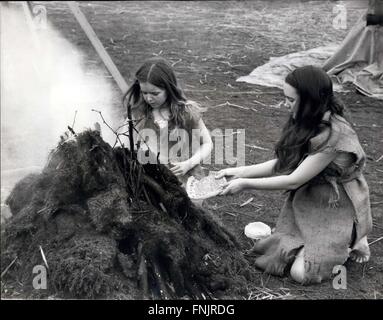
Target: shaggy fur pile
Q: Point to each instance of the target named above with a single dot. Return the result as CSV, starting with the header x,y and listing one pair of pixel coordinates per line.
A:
x,y
110,227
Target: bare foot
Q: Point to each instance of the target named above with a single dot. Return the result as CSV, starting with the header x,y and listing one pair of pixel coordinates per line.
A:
x,y
360,252
297,270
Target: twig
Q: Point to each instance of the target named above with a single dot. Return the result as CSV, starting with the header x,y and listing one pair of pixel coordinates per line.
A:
x,y
157,54
237,106
159,41
232,214
7,268
219,105
125,124
173,64
243,92
257,208
229,135
261,103
265,293
131,128
195,90
162,207
72,131
247,202
227,103
381,157
74,119
256,147
43,255
277,106
103,120
376,240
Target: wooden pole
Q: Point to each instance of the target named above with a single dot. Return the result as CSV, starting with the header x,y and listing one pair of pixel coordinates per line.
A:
x,y
35,39
107,61
29,17
98,46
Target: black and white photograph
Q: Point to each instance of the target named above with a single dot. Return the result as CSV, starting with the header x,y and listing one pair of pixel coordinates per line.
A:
x,y
192,154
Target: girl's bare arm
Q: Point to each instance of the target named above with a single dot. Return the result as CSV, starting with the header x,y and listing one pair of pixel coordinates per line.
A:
x,y
264,169
307,170
206,146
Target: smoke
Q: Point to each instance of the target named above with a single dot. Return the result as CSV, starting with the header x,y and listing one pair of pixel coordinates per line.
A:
x,y
44,87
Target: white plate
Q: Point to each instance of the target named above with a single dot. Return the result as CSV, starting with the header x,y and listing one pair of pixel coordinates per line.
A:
x,y
205,188
257,230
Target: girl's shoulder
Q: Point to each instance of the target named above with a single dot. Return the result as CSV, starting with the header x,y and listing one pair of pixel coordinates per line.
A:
x,y
194,107
193,111
335,134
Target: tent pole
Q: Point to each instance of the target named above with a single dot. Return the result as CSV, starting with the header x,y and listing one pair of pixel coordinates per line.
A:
x,y
107,61
98,46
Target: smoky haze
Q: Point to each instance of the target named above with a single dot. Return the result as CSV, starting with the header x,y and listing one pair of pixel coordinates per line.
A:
x,y
44,84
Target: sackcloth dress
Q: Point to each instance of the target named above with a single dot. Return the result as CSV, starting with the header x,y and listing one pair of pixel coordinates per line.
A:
x,y
326,215
171,143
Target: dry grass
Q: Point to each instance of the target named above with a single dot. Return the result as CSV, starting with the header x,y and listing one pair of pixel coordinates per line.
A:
x,y
210,45
270,294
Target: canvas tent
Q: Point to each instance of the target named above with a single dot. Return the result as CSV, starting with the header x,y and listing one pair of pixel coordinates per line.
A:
x,y
357,60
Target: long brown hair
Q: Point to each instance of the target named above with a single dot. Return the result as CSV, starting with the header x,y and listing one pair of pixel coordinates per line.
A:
x,y
159,73
315,91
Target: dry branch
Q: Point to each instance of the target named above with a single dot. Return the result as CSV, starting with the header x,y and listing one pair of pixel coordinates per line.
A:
x,y
7,268
247,202
376,240
256,147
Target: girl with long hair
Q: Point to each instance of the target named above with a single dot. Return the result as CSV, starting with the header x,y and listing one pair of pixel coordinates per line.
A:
x,y
169,127
319,161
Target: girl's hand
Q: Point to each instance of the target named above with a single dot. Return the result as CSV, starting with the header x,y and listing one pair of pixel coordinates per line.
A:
x,y
230,172
233,187
181,168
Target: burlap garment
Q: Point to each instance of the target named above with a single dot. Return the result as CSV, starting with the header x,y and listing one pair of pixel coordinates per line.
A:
x,y
321,214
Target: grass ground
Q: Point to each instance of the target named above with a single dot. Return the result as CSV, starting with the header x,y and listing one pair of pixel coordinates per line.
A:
x,y
210,45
